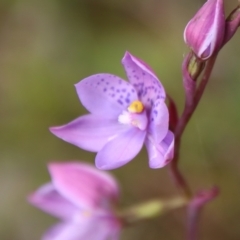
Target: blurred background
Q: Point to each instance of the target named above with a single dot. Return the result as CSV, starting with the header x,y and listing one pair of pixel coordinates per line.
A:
x,y
47,46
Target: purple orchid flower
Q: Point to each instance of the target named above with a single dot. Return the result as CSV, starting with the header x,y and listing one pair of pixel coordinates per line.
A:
x,y
123,116
82,197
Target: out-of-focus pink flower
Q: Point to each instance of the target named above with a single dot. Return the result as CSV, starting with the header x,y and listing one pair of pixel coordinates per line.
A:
x,y
123,117
205,31
83,197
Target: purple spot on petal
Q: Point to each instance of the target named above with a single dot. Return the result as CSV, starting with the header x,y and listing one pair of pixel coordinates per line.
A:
x,y
102,79
136,77
113,95
105,89
119,101
124,90
118,90
155,112
127,100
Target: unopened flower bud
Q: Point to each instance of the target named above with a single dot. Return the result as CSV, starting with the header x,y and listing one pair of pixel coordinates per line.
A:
x,y
205,31
192,67
232,24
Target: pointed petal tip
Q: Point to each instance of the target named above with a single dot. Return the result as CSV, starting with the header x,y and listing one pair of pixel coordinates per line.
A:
x,y
57,169
160,164
126,55
52,166
105,167
102,166
54,129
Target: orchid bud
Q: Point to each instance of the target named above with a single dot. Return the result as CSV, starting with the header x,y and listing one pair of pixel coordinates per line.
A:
x,y
192,67
232,24
205,31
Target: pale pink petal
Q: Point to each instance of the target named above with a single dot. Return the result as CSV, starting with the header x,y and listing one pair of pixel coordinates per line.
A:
x,y
89,132
159,121
49,200
84,185
160,154
105,94
144,80
121,149
63,231
91,229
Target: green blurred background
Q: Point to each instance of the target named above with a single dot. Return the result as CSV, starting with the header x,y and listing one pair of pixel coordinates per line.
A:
x,y
47,46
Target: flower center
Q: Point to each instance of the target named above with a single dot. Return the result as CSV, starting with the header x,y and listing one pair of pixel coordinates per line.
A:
x,y
135,115
86,213
136,107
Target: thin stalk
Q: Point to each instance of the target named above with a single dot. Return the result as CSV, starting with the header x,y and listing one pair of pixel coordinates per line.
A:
x,y
182,123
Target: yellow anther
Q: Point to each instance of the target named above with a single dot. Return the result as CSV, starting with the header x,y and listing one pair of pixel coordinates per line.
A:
x,y
136,107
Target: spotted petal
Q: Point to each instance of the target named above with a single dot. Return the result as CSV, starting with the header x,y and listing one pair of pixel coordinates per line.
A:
x,y
160,154
49,200
83,185
105,94
144,80
121,149
89,132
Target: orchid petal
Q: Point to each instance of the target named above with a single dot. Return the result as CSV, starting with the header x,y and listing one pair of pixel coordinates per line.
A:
x,y
89,229
121,149
144,80
49,200
159,121
67,231
89,132
105,94
83,185
160,154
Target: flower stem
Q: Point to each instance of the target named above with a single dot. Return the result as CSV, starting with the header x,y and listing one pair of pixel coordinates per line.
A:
x,y
181,125
150,209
